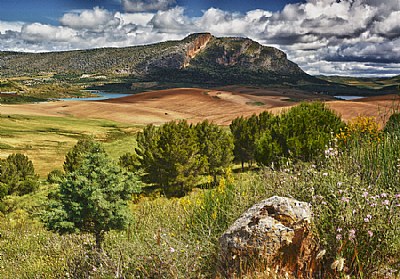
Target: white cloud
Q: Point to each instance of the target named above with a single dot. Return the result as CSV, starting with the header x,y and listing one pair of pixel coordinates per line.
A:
x,y
135,18
147,5
37,33
170,21
95,19
10,26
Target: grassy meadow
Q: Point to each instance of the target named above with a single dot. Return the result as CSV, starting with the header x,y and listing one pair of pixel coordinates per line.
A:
x,y
354,192
46,140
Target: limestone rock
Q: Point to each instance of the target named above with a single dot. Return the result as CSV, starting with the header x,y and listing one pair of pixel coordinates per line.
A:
x,y
272,237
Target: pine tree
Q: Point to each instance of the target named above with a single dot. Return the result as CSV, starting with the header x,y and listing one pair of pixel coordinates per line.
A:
x,y
93,198
216,147
246,132
179,161
169,157
18,175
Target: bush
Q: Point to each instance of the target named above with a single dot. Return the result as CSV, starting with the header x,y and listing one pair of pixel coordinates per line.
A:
x,y
307,129
360,129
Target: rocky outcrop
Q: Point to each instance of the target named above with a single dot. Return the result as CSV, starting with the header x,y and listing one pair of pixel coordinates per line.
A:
x,y
274,238
196,45
177,56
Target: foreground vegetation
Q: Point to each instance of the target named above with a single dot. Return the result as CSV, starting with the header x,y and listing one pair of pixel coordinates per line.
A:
x,y
352,185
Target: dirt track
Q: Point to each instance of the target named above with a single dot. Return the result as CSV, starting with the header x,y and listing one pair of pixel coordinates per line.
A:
x,y
195,104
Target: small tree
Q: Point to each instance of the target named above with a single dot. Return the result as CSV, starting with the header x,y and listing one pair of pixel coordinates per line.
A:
x,y
179,159
268,149
246,132
242,139
18,175
93,198
148,154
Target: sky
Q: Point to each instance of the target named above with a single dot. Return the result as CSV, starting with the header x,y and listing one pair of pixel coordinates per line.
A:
x,y
330,37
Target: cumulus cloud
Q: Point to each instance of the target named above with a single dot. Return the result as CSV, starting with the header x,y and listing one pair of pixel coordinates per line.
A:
x,y
95,19
147,5
10,26
36,33
322,36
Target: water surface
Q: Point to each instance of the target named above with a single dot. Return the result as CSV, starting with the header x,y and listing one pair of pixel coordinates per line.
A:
x,y
102,96
349,98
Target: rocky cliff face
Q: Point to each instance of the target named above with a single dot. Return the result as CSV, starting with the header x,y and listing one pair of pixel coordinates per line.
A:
x,y
177,56
195,46
224,58
248,54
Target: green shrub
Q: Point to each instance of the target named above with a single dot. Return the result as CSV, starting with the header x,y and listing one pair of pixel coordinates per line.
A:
x,y
307,130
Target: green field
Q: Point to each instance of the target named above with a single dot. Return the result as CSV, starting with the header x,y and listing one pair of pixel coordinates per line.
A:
x,y
46,140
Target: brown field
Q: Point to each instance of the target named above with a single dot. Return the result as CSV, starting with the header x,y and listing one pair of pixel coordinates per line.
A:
x,y
195,104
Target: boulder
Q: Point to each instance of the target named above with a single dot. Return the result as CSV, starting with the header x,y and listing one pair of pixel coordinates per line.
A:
x,y
272,238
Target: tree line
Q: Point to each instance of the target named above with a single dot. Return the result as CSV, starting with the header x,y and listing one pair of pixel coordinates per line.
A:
x,y
301,133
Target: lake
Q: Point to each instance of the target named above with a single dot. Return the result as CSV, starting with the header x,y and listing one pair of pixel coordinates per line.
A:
x,y
102,96
349,98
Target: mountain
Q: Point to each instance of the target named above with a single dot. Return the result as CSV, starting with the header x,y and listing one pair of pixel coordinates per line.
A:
x,y
198,58
206,59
